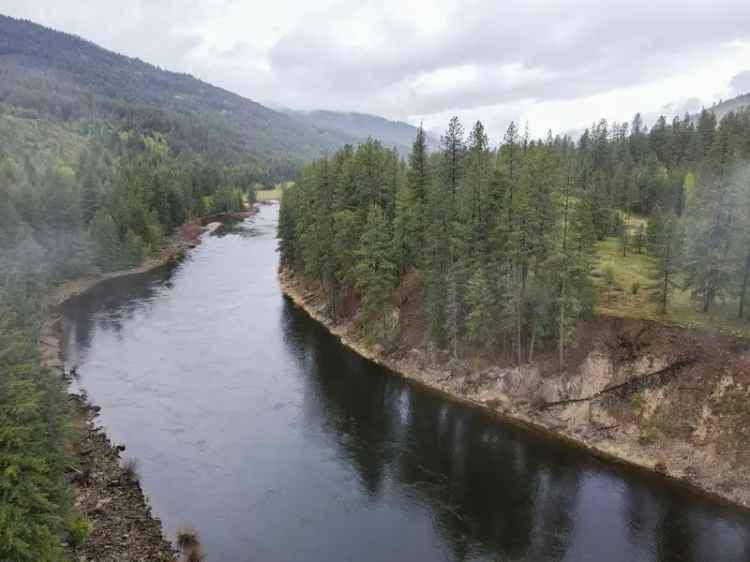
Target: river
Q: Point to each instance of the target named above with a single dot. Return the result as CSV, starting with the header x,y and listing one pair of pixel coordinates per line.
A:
x,y
252,424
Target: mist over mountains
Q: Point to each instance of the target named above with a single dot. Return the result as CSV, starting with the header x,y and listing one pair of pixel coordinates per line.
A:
x,y
64,77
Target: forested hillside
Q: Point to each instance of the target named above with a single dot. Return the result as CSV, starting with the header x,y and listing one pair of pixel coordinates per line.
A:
x,y
361,126
56,75
94,177
505,249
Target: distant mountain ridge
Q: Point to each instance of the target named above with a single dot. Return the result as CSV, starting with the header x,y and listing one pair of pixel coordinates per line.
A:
x,y
362,125
37,62
723,107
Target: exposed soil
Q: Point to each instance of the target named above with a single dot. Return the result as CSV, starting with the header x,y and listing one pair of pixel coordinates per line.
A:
x,y
667,399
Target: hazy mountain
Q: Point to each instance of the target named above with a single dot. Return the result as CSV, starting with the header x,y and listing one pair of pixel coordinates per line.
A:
x,y
723,107
362,125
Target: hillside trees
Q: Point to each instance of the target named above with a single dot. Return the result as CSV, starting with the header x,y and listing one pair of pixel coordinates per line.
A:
x,y
666,245
502,240
71,204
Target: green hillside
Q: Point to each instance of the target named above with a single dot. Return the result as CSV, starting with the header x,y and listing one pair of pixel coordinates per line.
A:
x,y
66,78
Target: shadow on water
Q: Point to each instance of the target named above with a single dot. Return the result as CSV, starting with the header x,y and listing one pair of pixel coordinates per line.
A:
x,y
109,305
493,489
255,425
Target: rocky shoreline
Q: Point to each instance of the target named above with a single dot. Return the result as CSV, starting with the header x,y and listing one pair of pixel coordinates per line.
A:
x,y
663,399
108,493
105,490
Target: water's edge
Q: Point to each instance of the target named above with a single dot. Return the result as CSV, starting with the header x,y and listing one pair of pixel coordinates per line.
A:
x,y
305,300
112,514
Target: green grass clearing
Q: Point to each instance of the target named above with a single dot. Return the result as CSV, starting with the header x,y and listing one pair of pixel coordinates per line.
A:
x,y
639,268
274,194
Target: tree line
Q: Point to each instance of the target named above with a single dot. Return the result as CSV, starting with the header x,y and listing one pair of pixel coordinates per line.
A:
x,y
501,240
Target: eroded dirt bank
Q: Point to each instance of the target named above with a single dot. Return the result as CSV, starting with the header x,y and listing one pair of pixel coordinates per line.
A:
x,y
667,399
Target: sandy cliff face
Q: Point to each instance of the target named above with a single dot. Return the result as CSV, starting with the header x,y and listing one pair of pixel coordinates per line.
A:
x,y
664,398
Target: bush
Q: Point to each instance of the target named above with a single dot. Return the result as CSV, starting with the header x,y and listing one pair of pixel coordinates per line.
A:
x,y
130,470
190,545
79,531
187,538
635,287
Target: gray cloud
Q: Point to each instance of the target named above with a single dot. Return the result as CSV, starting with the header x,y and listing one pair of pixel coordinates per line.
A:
x,y
460,57
580,51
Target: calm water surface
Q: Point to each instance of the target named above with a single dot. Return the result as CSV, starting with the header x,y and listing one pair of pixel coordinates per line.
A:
x,y
252,424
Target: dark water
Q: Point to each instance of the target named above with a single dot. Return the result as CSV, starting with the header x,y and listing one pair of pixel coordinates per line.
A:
x,y
254,425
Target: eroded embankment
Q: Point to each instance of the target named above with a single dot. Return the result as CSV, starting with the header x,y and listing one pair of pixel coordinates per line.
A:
x,y
105,490
672,400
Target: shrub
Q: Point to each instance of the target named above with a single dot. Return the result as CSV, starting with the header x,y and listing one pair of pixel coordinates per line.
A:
x,y
130,470
78,531
187,538
190,545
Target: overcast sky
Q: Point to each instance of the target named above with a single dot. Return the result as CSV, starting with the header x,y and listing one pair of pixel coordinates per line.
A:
x,y
557,65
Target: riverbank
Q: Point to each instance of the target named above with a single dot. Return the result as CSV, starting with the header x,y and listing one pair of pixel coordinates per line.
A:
x,y
105,490
661,398
108,493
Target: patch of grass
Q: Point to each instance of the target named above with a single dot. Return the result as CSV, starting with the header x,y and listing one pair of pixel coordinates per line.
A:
x,y
274,194
636,270
631,270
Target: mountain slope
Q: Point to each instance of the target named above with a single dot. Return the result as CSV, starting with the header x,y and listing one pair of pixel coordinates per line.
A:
x,y
60,75
722,108
362,125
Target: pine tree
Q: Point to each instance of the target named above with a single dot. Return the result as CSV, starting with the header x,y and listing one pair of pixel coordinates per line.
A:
x,y
479,321
624,235
107,247
452,162
419,176
407,237
711,220
665,241
452,316
474,192
375,273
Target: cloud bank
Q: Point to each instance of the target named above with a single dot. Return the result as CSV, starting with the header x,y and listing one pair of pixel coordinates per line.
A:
x,y
558,65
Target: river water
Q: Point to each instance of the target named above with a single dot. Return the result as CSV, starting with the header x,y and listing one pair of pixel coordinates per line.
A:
x,y
252,424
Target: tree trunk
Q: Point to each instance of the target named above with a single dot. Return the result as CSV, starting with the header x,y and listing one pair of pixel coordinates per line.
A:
x,y
531,344
665,285
709,298
519,351
745,281
561,339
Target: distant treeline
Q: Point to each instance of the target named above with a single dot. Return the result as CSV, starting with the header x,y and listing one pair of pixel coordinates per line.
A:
x,y
501,240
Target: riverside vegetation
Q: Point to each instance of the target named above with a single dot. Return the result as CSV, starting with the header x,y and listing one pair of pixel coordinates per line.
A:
x,y
106,204
498,252
102,158
80,193
597,288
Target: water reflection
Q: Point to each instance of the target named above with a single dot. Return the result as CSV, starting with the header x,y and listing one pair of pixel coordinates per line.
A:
x,y
495,490
255,425
108,306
